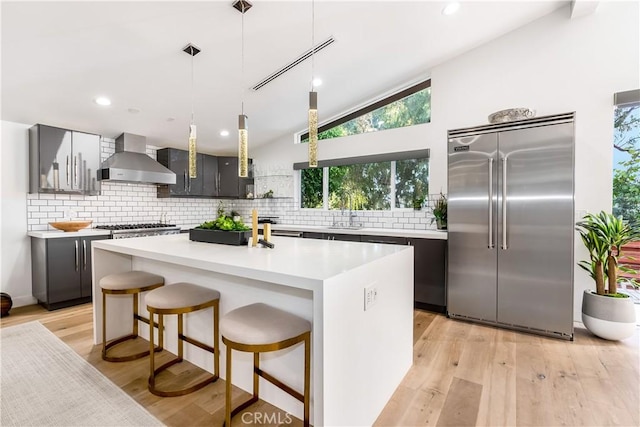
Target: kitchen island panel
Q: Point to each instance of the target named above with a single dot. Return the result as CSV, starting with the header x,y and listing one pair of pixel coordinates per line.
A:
x,y
358,357
365,355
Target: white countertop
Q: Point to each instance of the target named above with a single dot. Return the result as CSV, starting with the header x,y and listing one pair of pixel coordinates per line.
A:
x,y
294,262
53,234
395,232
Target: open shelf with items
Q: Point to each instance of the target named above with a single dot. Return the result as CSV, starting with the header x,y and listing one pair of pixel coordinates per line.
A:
x,y
273,182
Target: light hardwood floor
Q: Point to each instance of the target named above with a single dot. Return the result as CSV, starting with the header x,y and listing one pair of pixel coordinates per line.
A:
x,y
463,375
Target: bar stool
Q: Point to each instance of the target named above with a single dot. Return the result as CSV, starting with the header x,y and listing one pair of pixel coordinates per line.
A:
x,y
260,328
131,282
181,298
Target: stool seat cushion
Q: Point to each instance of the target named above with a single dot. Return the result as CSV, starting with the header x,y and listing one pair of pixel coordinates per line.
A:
x,y
259,324
130,280
180,295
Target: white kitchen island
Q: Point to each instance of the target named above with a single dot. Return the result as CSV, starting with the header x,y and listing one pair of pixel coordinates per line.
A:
x,y
359,356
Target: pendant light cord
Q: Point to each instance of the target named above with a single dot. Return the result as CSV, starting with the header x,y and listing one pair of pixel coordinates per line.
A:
x,y
192,92
242,63
313,47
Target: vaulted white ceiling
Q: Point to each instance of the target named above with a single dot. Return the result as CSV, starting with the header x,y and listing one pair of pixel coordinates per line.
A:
x,y
58,56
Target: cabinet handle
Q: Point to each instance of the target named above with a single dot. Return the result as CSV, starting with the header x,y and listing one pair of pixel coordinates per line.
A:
x,y
68,172
184,174
504,203
84,254
189,187
77,256
218,183
75,172
491,203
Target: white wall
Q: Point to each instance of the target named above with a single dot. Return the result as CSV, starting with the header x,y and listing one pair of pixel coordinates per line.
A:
x,y
15,248
553,65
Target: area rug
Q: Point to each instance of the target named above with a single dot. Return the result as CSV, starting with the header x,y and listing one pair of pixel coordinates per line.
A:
x,y
43,382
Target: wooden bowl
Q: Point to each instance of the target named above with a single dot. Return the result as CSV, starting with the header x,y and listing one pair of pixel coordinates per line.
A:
x,y
70,225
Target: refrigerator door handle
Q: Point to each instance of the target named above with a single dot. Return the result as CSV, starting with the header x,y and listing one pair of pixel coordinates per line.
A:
x,y
491,203
504,203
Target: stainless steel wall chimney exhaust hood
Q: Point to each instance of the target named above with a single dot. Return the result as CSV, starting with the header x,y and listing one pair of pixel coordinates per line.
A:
x,y
130,163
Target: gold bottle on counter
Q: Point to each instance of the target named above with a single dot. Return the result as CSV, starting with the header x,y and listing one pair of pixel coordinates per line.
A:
x,y
266,231
254,228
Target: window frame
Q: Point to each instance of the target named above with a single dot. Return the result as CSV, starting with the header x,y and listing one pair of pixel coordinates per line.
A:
x,y
368,108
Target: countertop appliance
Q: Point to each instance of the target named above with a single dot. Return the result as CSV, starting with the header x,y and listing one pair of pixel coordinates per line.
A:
x,y
130,163
511,224
268,219
123,231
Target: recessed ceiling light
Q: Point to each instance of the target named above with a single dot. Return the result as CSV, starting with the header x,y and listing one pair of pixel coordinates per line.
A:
x,y
170,119
451,8
316,82
224,132
102,100
134,110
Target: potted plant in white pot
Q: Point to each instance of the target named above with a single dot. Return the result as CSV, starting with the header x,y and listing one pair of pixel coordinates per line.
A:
x,y
605,312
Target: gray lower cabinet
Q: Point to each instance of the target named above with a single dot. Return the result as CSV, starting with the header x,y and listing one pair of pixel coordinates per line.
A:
x,y
61,270
331,236
429,265
430,262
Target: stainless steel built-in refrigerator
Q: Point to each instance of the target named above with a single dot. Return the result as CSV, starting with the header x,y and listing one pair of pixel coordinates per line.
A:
x,y
511,224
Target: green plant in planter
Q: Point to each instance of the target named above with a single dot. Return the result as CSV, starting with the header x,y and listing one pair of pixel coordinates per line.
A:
x,y
417,202
603,235
440,211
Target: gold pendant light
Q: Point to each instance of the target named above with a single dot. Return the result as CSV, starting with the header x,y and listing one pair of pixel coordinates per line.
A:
x,y
193,172
243,132
313,129
243,142
313,101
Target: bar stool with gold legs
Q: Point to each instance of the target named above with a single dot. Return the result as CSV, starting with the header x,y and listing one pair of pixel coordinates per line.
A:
x,y
129,283
182,298
260,328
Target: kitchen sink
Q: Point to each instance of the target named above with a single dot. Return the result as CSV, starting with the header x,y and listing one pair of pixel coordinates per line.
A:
x,y
345,227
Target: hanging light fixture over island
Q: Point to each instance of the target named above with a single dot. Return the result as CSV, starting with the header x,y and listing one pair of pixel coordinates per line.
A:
x,y
313,101
193,173
243,132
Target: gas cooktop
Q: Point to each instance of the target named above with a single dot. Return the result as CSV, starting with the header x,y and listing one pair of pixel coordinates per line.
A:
x,y
135,226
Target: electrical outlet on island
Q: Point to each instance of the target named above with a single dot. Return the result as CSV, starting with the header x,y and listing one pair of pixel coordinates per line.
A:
x,y
370,296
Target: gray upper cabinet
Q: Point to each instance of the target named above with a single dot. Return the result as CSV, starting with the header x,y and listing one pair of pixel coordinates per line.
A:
x,y
210,181
230,185
63,161
203,185
216,176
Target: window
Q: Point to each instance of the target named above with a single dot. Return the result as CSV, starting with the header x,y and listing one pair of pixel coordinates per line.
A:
x,y
409,107
626,159
365,186
357,184
412,181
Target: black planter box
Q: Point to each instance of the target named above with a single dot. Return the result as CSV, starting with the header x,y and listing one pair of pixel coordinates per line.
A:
x,y
236,238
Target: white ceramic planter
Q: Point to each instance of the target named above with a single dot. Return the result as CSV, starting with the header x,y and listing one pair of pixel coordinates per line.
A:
x,y
609,318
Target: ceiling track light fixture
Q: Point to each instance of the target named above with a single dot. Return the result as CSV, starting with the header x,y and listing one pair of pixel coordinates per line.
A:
x,y
243,132
313,101
192,50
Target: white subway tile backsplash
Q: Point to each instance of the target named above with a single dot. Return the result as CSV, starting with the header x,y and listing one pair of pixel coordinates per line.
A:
x,y
125,202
